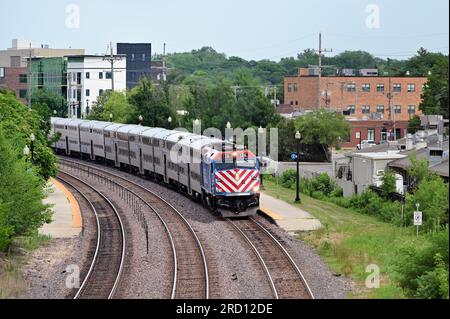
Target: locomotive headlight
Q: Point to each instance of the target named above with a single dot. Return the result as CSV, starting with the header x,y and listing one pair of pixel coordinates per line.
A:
x,y
238,177
256,189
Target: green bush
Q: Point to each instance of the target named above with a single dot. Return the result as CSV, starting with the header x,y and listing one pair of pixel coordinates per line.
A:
x,y
288,178
423,272
323,183
21,195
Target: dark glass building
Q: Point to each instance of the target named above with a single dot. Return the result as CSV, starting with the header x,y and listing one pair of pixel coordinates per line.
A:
x,y
138,61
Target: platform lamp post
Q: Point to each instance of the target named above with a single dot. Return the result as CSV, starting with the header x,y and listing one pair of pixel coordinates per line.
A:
x,y
110,117
140,119
169,120
260,137
298,136
26,152
32,139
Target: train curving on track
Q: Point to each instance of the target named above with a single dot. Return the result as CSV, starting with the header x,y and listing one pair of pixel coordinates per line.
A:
x,y
223,175
190,267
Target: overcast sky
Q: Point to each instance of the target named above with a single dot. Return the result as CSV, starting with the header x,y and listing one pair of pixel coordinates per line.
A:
x,y
252,29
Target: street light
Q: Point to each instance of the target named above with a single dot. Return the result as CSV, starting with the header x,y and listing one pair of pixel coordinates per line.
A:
x,y
140,119
298,136
228,125
110,117
32,139
26,152
170,121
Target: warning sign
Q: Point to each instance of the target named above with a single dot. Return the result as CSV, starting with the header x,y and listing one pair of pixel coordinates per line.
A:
x,y
417,218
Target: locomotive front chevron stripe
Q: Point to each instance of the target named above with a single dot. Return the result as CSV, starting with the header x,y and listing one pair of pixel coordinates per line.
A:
x,y
237,180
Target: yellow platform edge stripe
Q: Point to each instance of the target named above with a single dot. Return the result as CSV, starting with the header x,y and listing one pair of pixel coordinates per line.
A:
x,y
269,213
77,220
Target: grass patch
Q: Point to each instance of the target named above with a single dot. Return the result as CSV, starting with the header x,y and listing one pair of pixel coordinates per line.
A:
x,y
350,241
11,282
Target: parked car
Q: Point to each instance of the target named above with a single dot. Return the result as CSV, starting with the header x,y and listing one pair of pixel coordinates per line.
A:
x,y
365,144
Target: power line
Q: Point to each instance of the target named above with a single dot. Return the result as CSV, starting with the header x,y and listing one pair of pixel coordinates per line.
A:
x,y
388,37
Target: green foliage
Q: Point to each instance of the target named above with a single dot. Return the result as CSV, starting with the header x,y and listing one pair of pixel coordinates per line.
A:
x,y
288,178
151,103
114,103
389,186
414,124
418,171
423,272
435,95
52,101
21,195
322,127
432,195
18,122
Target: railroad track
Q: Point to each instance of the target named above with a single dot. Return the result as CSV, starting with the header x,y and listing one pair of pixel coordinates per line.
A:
x,y
190,268
285,278
104,274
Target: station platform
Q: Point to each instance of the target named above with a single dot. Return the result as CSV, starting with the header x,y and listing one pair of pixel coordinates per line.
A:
x,y
290,218
66,220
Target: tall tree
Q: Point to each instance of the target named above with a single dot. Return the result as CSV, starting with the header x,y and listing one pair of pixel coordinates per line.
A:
x,y
322,127
151,103
435,95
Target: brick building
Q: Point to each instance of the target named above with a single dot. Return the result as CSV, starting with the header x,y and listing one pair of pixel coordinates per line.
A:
x,y
15,79
375,106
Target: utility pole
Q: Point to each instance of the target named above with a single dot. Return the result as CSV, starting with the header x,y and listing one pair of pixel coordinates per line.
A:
x,y
321,51
29,79
69,95
164,63
111,59
275,96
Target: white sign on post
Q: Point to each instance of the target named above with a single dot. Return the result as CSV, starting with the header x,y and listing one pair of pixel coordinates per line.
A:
x,y
358,134
417,218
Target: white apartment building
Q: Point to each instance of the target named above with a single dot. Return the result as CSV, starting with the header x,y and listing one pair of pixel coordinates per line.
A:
x,y
88,77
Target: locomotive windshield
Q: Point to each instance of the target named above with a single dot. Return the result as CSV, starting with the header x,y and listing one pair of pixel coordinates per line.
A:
x,y
238,164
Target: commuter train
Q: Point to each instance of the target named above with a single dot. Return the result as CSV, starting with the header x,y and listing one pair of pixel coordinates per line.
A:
x,y
223,175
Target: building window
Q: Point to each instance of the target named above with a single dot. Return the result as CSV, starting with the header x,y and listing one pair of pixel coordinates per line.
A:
x,y
295,87
351,109
380,87
74,77
100,92
366,109
397,87
371,134
2,72
88,92
397,109
23,78
15,61
88,75
351,87
143,57
380,108
366,87
100,75
74,94
132,57
22,94
108,75
292,102
296,102
411,109
289,87
411,87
